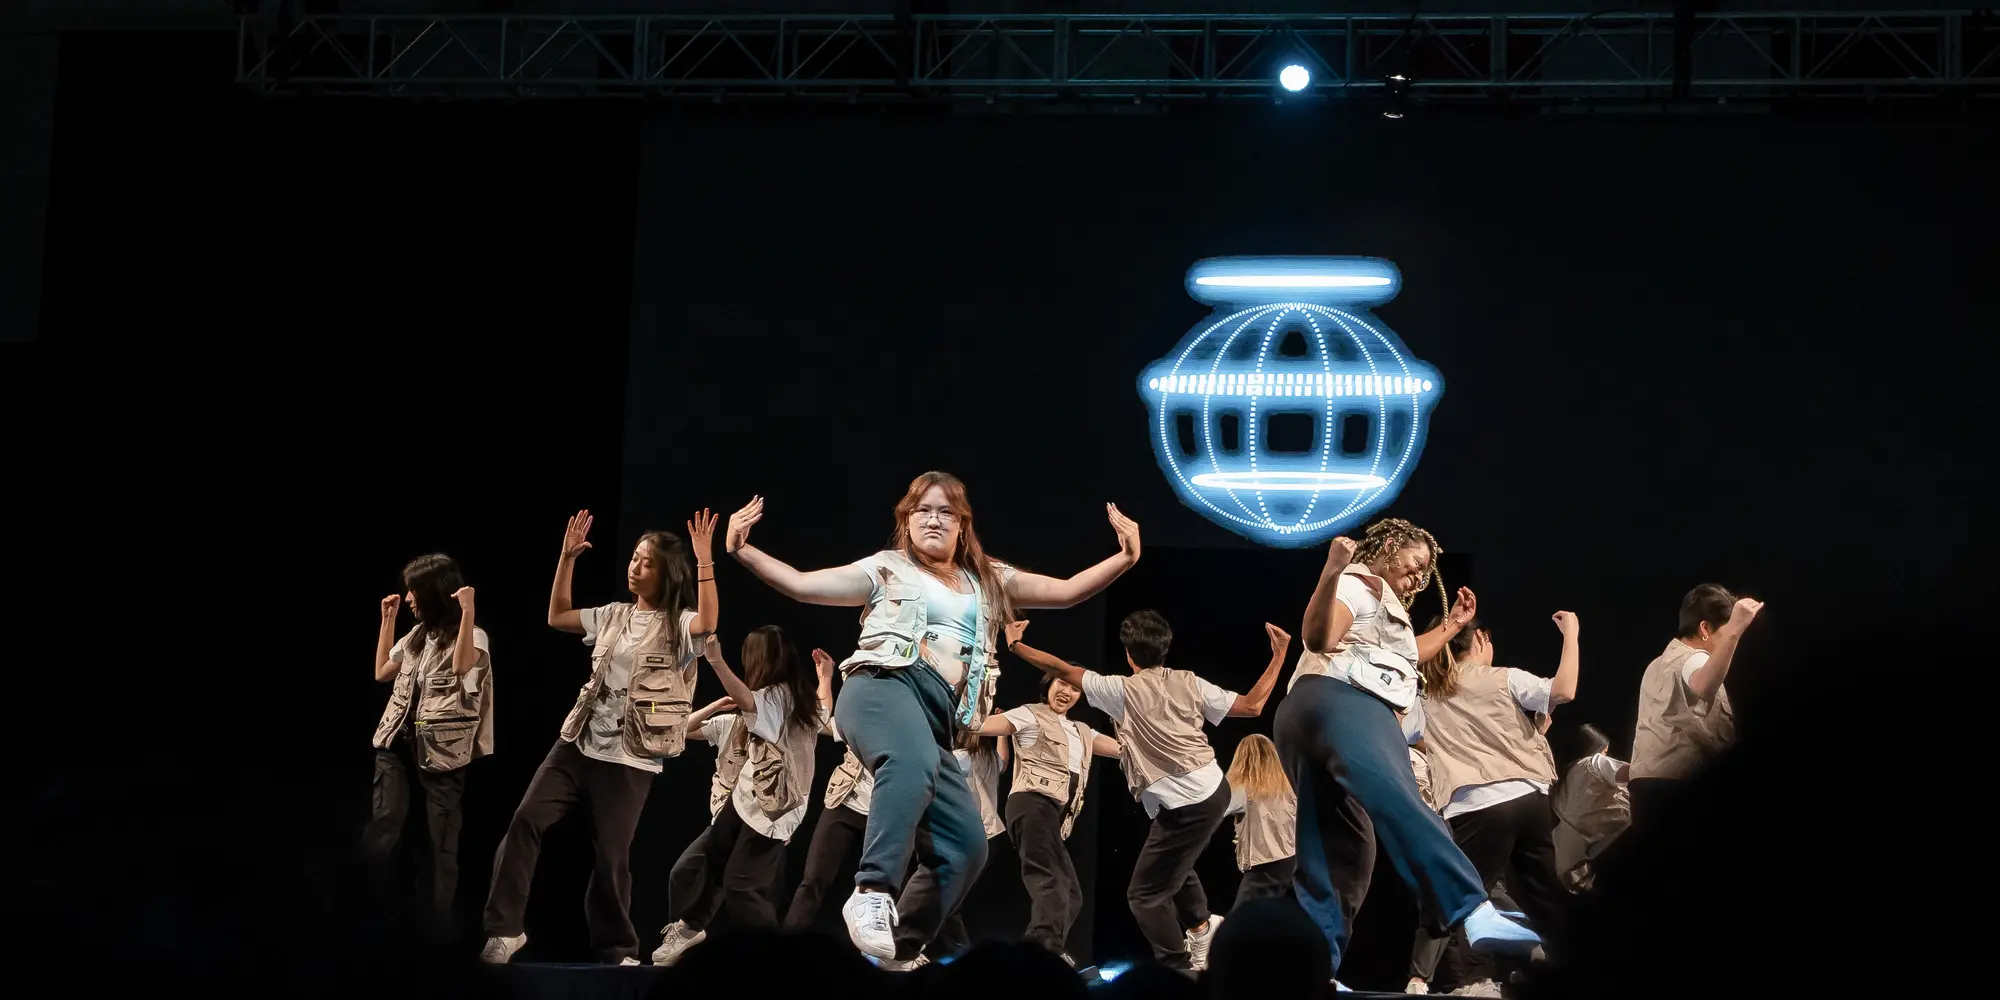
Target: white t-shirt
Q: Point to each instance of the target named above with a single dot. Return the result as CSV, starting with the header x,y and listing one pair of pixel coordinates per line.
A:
x,y
603,737
1359,600
1107,695
474,678
1532,694
773,708
1028,732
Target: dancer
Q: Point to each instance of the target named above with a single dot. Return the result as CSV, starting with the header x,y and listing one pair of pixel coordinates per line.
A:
x,y
761,790
1170,767
1685,721
842,819
918,677
1491,770
631,713
1592,807
438,720
1337,733
1052,756
980,759
1267,813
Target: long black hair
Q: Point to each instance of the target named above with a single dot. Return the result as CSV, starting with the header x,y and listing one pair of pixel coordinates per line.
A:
x,y
771,658
432,579
676,582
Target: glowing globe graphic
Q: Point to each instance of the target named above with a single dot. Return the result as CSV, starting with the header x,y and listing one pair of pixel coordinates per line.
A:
x,y
1291,413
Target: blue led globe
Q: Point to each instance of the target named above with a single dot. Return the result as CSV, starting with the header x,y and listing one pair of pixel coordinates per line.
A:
x,y
1291,340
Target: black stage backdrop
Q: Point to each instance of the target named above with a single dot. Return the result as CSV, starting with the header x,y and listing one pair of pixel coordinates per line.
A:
x,y
288,345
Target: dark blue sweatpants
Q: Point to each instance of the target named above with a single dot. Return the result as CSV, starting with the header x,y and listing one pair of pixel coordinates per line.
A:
x,y
1345,753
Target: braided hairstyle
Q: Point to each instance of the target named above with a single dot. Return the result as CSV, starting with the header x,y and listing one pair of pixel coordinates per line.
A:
x,y
1383,540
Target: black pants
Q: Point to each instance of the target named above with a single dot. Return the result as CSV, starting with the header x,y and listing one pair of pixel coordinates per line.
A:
x,y
1055,895
1653,798
730,870
1510,841
1265,881
834,839
1345,753
1165,896
444,814
925,927
617,795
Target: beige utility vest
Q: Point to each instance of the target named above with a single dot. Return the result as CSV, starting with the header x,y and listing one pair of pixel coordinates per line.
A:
x,y
781,773
453,726
1591,811
1378,656
1678,736
840,787
658,698
1043,768
1268,829
1161,734
1480,735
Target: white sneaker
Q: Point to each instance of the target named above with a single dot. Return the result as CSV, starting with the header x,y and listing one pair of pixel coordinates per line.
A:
x,y
500,950
871,923
628,960
891,965
1340,987
1071,962
1197,944
675,938
1488,929
1417,987
1482,988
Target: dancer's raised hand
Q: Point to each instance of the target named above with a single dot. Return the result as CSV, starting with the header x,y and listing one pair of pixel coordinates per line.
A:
x,y
576,536
740,524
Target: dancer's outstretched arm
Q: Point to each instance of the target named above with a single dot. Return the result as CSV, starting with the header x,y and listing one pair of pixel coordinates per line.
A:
x,y
1562,688
1251,704
576,541
701,541
1033,590
463,653
1104,746
1327,620
1462,609
1067,673
1708,678
738,691
385,640
702,714
840,586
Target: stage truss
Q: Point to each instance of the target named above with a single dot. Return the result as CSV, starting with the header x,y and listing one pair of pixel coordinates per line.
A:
x,y
1107,59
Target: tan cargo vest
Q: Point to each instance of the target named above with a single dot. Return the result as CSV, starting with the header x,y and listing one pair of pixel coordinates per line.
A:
x,y
893,629
1161,735
1379,656
1480,735
846,777
1267,830
781,773
1591,811
1043,768
453,726
1674,739
658,700
1422,769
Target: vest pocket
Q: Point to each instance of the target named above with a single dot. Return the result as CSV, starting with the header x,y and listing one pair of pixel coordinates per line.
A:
x,y
446,744
657,728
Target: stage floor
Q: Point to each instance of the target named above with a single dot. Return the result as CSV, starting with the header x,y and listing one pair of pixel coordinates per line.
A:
x,y
550,981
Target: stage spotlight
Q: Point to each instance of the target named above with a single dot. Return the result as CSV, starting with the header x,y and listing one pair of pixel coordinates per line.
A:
x,y
1398,85
1294,78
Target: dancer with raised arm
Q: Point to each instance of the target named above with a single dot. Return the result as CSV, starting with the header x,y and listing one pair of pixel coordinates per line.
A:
x,y
1685,720
1338,733
1491,771
1052,755
918,677
1158,713
760,792
631,714
438,720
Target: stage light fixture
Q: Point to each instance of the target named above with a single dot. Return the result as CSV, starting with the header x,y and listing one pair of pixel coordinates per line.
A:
x,y
1294,78
1291,340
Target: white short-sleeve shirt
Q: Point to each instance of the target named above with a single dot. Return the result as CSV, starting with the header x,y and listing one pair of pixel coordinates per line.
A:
x,y
603,737
1532,693
1107,695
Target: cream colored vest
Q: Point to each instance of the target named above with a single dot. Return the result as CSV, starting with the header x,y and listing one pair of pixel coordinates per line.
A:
x,y
1043,768
1480,735
840,787
1161,735
1591,810
1267,830
781,773
1677,737
1378,656
657,701
453,726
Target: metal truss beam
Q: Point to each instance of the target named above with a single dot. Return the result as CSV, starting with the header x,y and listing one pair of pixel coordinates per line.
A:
x,y
1080,59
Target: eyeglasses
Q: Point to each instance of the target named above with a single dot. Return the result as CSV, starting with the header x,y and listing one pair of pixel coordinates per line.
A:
x,y
944,515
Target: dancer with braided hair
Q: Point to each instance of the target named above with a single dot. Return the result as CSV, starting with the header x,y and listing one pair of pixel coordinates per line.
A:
x,y
1344,749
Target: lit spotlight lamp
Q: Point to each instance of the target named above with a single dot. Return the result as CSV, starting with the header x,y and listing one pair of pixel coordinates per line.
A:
x,y
1294,78
1291,339
1398,85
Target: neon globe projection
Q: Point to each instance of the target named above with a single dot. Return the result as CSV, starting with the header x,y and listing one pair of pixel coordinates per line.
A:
x,y
1291,413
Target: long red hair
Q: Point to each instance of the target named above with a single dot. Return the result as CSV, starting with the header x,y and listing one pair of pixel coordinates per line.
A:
x,y
969,555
